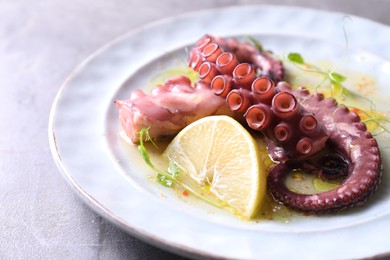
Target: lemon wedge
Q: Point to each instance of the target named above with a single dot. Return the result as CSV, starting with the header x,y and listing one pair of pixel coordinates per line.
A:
x,y
218,151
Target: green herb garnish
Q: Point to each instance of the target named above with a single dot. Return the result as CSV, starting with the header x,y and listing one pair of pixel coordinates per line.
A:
x,y
336,78
173,171
171,177
295,58
333,77
256,43
338,90
372,120
166,178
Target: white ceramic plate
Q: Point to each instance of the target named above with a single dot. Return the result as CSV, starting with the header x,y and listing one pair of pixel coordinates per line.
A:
x,y
109,176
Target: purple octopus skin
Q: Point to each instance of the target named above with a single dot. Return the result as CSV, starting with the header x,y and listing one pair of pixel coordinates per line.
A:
x,y
291,132
349,137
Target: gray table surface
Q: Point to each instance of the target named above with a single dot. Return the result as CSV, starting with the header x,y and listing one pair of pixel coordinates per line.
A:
x,y
40,44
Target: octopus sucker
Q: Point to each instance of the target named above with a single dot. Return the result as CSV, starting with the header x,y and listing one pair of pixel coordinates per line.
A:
x,y
302,130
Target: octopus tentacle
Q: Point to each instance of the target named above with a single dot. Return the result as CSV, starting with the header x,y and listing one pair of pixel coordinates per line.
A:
x,y
263,62
169,108
362,181
240,61
246,52
349,138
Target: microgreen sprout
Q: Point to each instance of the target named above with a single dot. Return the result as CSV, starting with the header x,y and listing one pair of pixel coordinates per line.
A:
x,y
335,79
171,177
256,43
372,119
338,90
296,58
378,120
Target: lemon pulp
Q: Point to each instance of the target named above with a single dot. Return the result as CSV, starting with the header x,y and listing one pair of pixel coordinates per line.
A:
x,y
218,151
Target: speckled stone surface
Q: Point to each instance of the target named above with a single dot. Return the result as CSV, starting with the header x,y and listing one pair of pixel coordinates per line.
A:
x,y
40,44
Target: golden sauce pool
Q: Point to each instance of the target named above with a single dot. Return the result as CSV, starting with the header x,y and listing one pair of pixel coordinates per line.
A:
x,y
270,210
